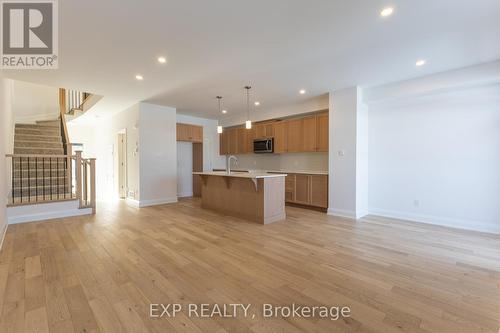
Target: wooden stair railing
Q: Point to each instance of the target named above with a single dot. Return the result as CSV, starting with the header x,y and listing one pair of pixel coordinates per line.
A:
x,y
44,178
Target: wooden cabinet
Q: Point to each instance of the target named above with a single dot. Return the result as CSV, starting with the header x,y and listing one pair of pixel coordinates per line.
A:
x,y
232,137
302,189
263,130
242,144
322,132
223,143
307,190
191,133
280,137
319,191
309,135
294,135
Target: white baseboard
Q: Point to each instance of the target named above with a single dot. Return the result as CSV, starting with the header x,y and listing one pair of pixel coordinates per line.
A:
x,y
34,118
342,213
148,203
436,220
155,202
132,202
185,195
47,211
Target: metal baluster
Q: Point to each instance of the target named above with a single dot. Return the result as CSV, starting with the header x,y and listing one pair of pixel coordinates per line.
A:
x,y
50,165
12,180
29,181
21,178
65,176
43,177
36,178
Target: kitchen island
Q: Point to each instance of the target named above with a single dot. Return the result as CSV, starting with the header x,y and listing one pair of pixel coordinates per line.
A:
x,y
258,197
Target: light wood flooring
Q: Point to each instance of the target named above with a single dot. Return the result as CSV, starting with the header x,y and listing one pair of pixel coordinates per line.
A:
x,y
100,273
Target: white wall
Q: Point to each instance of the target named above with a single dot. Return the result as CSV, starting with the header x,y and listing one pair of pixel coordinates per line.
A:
x,y
436,157
348,179
6,143
106,138
34,102
158,154
85,135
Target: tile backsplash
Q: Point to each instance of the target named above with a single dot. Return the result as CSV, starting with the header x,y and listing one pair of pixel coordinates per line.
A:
x,y
286,162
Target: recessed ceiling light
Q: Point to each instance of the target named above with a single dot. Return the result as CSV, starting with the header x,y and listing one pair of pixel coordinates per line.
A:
x,y
257,103
302,91
162,60
139,77
224,111
420,63
387,12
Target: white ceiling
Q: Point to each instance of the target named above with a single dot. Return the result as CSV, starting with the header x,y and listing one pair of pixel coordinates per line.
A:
x,y
216,47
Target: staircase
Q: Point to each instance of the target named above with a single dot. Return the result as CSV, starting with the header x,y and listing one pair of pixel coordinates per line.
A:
x,y
43,175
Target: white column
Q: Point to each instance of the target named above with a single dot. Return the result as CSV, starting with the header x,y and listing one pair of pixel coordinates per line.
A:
x,y
348,158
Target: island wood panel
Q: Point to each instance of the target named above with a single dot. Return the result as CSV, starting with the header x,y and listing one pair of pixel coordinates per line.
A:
x,y
238,197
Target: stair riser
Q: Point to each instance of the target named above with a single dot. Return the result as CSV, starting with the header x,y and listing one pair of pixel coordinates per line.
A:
x,y
38,144
56,122
36,126
38,151
38,138
38,131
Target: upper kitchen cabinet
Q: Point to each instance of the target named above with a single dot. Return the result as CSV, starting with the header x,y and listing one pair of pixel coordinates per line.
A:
x,y
280,137
263,130
242,142
191,133
309,134
322,132
294,135
232,135
223,143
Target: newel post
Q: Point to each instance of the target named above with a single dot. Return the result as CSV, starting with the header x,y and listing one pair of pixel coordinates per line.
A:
x,y
92,185
78,175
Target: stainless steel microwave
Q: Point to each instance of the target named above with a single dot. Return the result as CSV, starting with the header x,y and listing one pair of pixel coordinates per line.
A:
x,y
262,146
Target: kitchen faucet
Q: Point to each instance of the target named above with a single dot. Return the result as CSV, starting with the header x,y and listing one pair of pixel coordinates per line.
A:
x,y
228,162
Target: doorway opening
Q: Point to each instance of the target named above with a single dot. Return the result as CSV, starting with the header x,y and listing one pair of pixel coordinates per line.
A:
x,y
122,163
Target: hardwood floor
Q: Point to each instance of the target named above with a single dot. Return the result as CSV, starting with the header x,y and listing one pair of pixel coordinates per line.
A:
x,y
100,273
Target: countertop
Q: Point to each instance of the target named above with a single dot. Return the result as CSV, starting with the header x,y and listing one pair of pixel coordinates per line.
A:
x,y
241,174
281,171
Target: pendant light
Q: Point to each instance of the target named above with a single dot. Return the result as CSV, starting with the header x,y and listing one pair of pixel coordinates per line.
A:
x,y
219,127
248,123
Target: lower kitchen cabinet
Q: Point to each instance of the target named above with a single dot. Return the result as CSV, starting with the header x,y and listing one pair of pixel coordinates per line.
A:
x,y
307,190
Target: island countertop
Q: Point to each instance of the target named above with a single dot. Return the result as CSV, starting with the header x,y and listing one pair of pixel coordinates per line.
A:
x,y
236,174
